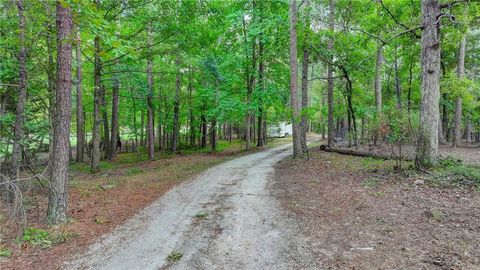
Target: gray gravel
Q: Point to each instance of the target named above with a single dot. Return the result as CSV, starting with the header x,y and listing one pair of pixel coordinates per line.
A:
x,y
226,218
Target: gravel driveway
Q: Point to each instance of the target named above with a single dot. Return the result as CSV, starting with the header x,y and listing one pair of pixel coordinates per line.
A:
x,y
226,218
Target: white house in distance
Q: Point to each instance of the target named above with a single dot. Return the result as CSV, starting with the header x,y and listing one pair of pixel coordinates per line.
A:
x,y
281,129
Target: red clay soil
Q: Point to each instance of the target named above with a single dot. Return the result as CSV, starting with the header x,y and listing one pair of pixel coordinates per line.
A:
x,y
97,204
358,214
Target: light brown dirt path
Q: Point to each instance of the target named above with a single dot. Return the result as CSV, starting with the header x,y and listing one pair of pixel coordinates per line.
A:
x,y
223,219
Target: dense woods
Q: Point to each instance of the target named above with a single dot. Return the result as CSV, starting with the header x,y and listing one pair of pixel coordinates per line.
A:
x,y
83,81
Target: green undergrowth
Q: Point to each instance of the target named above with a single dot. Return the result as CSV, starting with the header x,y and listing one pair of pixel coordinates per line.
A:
x,y
454,173
44,239
5,252
174,256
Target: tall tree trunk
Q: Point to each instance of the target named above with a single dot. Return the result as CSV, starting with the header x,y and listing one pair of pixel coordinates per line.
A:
x,y
331,123
468,130
427,148
20,106
378,91
57,199
213,135
304,123
378,81
142,127
261,82
457,124
51,78
80,119
261,87
96,102
445,119
159,125
457,134
115,137
250,79
176,106
297,141
398,86
134,116
410,86
190,105
204,131
106,129
213,128
150,127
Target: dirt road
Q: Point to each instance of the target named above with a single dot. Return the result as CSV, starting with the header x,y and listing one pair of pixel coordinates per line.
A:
x,y
226,218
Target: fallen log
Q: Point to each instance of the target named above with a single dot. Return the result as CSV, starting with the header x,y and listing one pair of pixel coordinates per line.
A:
x,y
357,153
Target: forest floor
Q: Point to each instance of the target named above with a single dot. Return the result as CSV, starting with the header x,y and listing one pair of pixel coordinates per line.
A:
x,y
100,202
223,219
468,153
259,211
359,213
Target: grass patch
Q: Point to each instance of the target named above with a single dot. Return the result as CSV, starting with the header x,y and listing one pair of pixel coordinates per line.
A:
x,y
371,182
45,239
435,215
174,256
99,220
201,215
85,168
372,163
5,252
454,173
379,194
134,171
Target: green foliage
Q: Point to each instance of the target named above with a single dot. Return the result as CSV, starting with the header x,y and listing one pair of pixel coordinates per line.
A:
x,y
174,256
201,215
453,172
133,171
5,252
371,182
45,239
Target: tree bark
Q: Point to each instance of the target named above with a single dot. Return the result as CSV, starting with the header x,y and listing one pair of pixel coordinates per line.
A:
x,y
134,116
250,79
190,105
96,103
204,131
261,87
331,123
296,132
457,124
378,91
115,137
261,83
159,125
57,199
457,127
303,123
150,126
468,130
398,86
80,119
51,79
176,106
106,129
142,128
20,106
427,148
378,81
